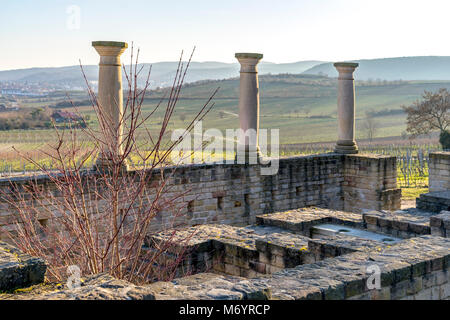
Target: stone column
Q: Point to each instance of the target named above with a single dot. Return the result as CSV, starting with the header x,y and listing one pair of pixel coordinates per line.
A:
x,y
249,105
110,98
346,108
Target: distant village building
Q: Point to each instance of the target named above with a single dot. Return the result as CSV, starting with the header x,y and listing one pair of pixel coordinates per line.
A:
x,y
65,116
20,92
5,108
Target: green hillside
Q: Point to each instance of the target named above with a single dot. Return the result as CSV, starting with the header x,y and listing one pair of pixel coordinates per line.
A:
x,y
303,107
162,72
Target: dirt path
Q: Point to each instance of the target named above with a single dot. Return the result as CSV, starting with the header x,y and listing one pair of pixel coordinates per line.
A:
x,y
408,203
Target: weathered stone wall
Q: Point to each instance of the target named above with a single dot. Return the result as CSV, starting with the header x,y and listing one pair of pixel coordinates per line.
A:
x,y
439,171
440,224
235,194
370,182
438,197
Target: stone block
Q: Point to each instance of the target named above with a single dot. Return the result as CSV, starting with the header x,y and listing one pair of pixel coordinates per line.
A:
x,y
19,270
425,294
381,294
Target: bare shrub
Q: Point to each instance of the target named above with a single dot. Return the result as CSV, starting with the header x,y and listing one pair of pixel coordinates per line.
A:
x,y
100,219
370,126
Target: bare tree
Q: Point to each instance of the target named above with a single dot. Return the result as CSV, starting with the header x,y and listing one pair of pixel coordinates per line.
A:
x,y
307,111
100,220
432,113
370,126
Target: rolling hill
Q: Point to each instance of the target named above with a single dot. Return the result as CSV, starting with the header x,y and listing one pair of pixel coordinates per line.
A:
x,y
162,72
405,68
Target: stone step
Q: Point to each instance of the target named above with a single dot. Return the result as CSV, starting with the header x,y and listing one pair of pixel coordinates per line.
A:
x,y
434,201
19,270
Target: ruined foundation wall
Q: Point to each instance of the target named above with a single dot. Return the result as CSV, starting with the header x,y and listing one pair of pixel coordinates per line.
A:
x,y
408,270
235,194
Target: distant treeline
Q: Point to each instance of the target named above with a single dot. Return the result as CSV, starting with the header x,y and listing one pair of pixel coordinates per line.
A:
x,y
69,104
385,112
37,118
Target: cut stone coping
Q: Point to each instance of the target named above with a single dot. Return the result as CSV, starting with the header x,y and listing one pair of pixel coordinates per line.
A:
x,y
301,220
441,220
346,64
415,212
330,229
249,55
442,154
372,156
39,177
109,44
399,220
343,244
438,196
200,237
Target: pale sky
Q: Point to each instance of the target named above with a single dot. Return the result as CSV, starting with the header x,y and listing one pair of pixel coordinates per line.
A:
x,y
44,33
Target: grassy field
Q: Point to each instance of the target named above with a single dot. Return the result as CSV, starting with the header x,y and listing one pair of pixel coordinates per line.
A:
x,y
302,107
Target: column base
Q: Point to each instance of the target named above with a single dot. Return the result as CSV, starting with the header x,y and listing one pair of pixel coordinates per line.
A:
x,y
346,147
248,156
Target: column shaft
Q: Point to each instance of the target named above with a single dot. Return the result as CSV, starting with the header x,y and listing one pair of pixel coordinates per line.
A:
x,y
249,104
110,98
346,108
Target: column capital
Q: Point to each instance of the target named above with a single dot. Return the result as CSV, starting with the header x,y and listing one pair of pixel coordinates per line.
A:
x,y
346,69
248,61
109,48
